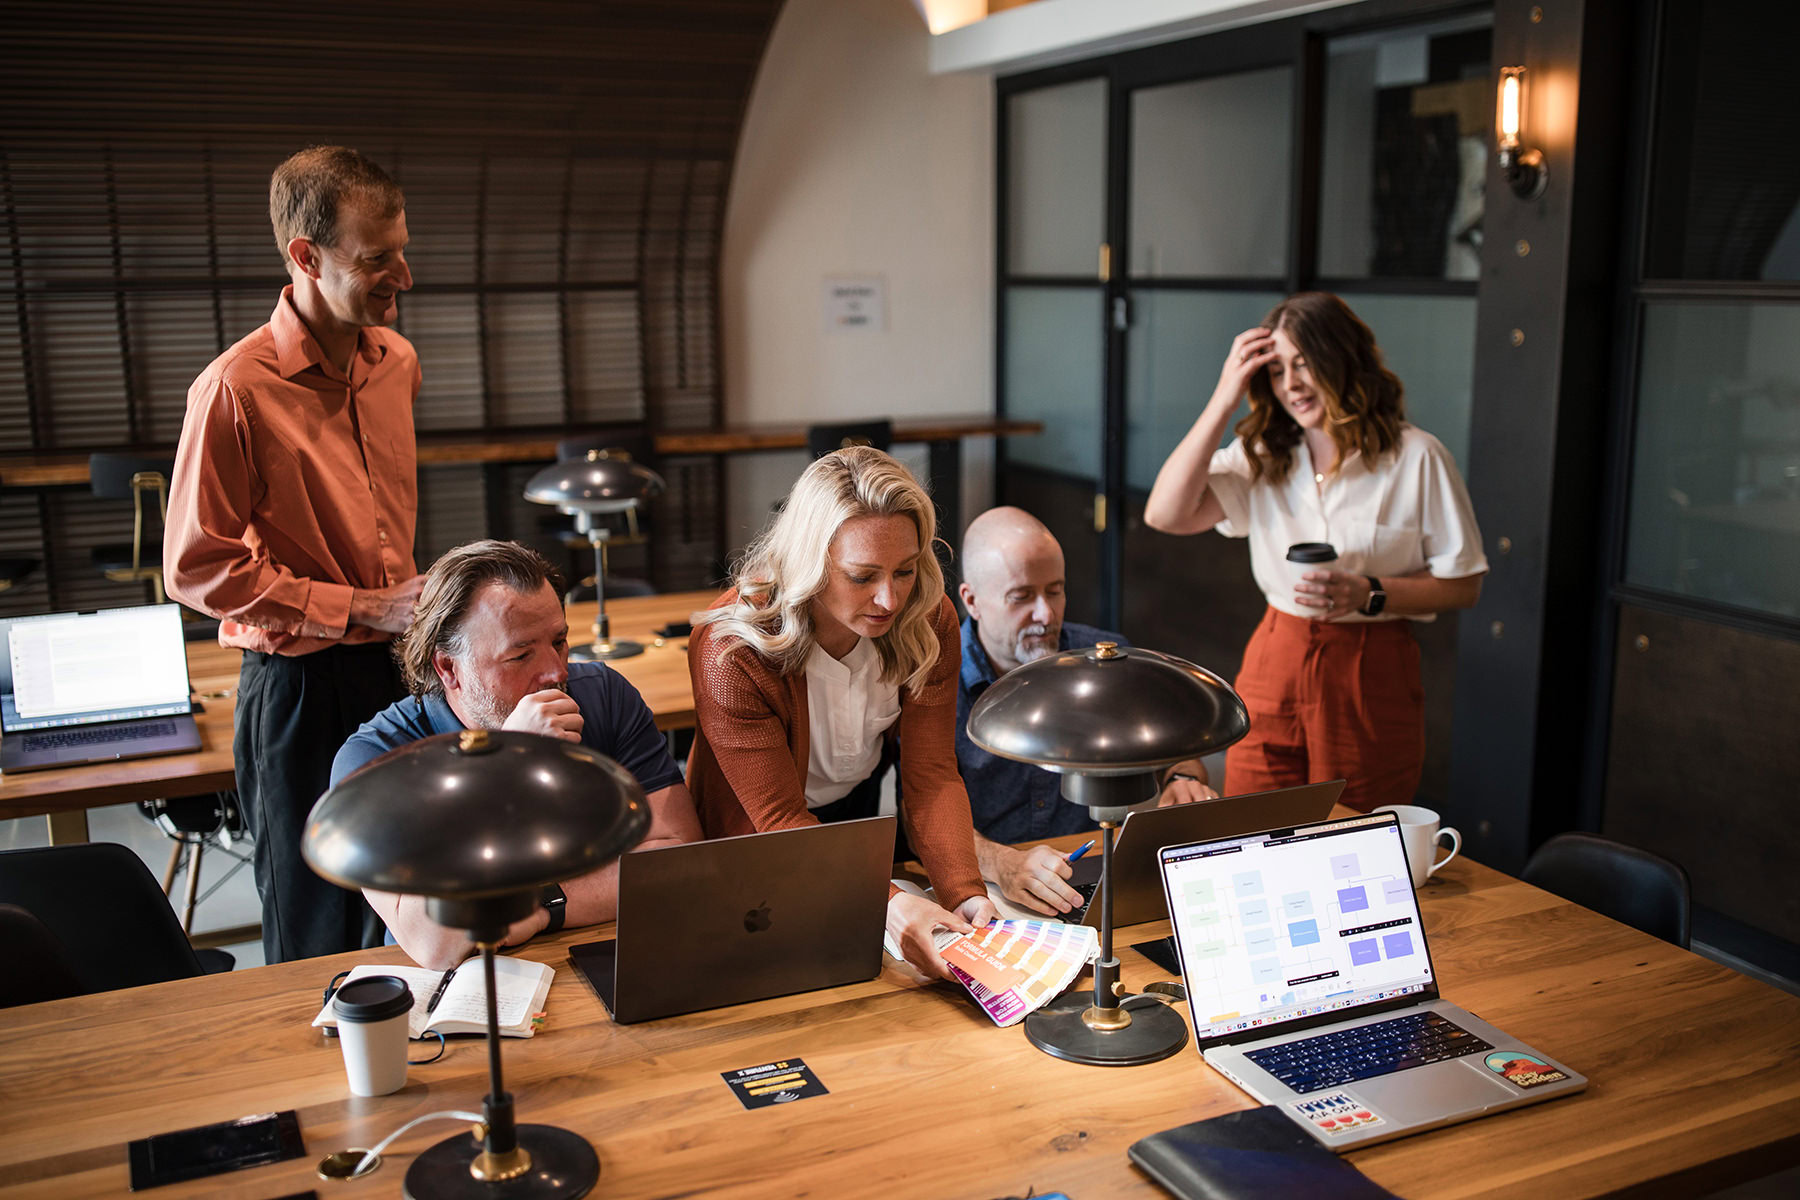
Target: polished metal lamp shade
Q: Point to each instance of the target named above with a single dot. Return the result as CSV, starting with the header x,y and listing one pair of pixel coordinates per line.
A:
x,y
476,823
599,483
1107,719
603,481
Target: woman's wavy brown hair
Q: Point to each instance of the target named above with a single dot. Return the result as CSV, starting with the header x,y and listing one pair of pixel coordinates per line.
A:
x,y
1364,401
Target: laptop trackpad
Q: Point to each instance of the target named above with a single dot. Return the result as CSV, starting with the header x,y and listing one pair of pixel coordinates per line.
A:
x,y
1425,1094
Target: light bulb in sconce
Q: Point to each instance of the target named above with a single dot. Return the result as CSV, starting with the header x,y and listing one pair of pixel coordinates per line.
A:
x,y
1524,167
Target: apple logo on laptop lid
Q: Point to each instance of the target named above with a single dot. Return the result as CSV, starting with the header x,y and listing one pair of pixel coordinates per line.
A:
x,y
757,919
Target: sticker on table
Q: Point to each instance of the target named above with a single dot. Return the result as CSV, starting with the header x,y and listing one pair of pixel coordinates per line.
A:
x,y
1335,1113
1521,1069
773,1083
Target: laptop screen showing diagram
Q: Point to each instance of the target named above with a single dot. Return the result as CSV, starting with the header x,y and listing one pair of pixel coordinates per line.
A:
x,y
1290,925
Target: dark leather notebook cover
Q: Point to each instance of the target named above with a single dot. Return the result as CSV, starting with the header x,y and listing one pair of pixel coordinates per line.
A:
x,y
1256,1153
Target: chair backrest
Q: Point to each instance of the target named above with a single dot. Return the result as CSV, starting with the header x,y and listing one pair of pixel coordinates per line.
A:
x,y
110,474
1632,886
37,967
102,904
823,439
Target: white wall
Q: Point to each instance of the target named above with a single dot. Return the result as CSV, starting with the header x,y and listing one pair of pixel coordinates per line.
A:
x,y
855,161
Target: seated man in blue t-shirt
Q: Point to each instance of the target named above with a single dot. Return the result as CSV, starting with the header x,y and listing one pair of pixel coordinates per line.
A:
x,y
1012,587
488,648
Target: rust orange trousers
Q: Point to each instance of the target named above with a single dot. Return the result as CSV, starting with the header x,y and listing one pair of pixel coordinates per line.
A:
x,y
1331,701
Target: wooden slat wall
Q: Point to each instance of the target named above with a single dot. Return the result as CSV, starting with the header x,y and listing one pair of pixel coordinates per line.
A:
x,y
566,166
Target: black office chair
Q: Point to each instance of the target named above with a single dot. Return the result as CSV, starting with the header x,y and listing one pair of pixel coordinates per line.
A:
x,y
1635,887
37,966
823,439
136,478
193,823
100,902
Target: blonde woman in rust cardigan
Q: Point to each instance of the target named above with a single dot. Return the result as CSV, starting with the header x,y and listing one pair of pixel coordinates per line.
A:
x,y
836,646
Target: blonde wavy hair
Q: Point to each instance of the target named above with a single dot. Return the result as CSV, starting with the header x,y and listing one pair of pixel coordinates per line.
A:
x,y
787,565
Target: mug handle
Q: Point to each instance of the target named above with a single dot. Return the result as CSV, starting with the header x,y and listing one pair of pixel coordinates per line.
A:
x,y
1455,848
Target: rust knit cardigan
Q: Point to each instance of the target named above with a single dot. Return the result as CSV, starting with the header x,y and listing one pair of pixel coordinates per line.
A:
x,y
747,772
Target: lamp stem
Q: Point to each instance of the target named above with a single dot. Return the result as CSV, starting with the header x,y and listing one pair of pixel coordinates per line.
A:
x,y
602,626
1106,970
497,1108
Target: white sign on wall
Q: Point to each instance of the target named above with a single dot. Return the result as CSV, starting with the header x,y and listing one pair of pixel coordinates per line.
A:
x,y
854,305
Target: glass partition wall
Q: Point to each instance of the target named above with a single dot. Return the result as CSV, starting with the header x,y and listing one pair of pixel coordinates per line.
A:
x,y
1153,205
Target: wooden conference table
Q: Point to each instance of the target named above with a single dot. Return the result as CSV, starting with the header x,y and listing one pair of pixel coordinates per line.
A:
x,y
65,794
1693,1068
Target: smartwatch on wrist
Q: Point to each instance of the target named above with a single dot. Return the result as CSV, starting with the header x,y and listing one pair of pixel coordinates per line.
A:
x,y
1377,598
554,902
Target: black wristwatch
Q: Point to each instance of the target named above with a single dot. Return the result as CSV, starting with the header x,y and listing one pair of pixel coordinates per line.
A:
x,y
555,903
1377,598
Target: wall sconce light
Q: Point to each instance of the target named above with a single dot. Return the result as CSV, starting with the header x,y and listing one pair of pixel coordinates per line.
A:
x,y
1524,168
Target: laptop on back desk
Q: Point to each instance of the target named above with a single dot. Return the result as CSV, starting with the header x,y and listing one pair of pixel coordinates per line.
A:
x,y
93,687
736,919
1311,986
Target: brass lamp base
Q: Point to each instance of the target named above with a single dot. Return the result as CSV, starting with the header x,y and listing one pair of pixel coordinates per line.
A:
x,y
1072,1028
558,1166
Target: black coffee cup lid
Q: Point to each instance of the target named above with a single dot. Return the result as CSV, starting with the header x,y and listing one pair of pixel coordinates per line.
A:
x,y
1312,552
372,998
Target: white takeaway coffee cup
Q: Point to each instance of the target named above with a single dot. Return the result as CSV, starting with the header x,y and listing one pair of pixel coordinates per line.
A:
x,y
1420,832
371,1017
1308,556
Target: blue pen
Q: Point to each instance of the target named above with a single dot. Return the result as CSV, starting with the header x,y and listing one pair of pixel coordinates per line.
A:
x,y
1084,848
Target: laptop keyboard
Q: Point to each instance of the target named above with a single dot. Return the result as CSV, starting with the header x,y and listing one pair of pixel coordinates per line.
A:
x,y
65,739
1380,1048
1088,891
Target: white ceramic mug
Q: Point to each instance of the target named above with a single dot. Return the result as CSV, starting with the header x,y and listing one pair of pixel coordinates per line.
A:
x,y
372,1026
1420,832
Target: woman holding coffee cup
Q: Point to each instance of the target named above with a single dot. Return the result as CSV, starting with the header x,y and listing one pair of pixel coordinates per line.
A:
x,y
1381,532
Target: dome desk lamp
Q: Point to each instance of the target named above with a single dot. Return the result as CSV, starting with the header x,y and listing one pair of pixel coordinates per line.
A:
x,y
601,483
1107,719
477,822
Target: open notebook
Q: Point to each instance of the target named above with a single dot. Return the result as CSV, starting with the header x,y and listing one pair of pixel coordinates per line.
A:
x,y
520,988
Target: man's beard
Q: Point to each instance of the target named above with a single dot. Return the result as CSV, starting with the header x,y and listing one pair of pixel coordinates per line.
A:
x,y
1034,642
486,707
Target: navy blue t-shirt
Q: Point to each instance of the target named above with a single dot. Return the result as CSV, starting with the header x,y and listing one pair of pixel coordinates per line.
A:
x,y
1013,801
615,721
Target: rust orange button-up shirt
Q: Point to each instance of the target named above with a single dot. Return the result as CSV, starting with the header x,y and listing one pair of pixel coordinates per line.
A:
x,y
294,485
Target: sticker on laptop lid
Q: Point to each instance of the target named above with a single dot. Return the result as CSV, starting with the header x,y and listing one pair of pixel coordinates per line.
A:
x,y
1522,1070
780,1082
1334,1113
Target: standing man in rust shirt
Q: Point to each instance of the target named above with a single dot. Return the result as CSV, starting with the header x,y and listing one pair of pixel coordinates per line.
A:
x,y
291,518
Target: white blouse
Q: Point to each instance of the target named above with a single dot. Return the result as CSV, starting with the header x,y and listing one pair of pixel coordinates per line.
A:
x,y
1407,513
848,710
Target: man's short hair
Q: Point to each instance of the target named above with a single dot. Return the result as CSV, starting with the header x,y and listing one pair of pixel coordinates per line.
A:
x,y
450,588
306,191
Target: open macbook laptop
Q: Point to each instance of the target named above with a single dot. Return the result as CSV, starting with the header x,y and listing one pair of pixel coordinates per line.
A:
x,y
93,686
1311,986
744,918
1137,882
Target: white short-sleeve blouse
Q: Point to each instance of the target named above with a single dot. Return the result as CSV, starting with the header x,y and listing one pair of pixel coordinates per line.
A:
x,y
1407,512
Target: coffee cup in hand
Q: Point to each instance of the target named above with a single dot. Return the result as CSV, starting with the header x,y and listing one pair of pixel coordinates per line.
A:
x,y
1420,832
1308,556
372,1017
